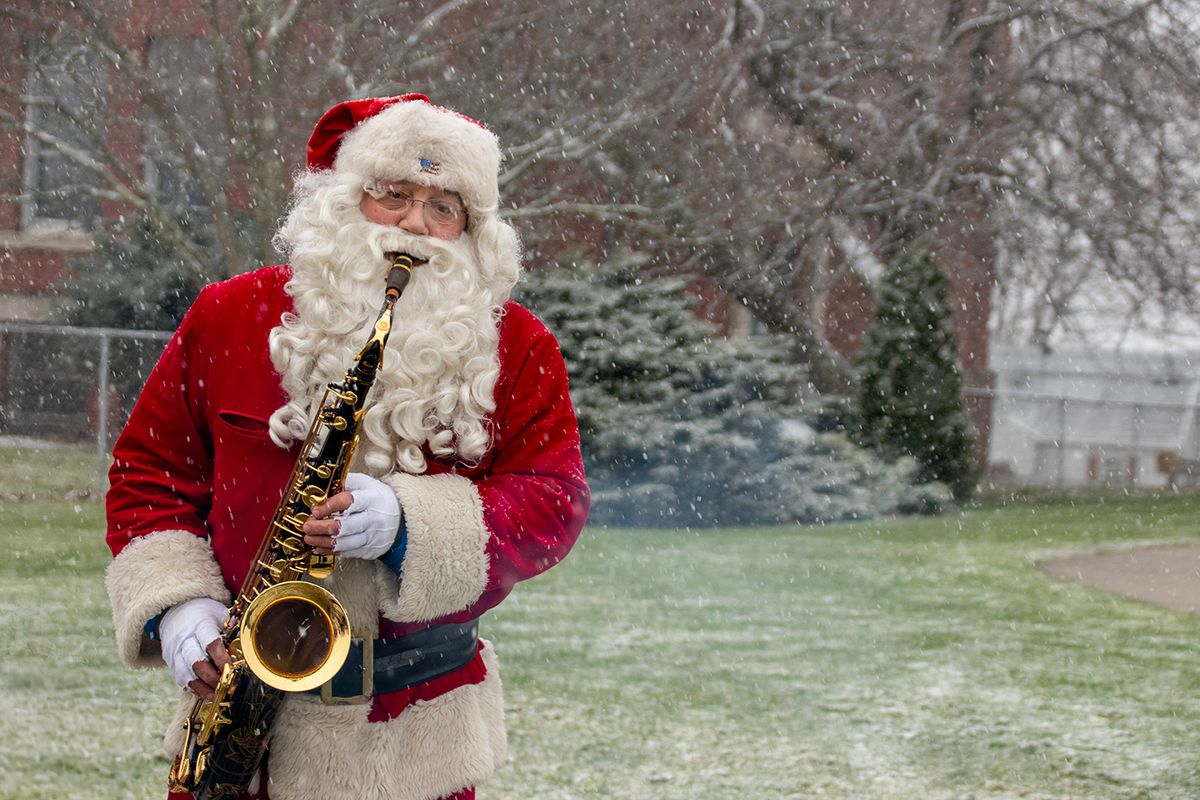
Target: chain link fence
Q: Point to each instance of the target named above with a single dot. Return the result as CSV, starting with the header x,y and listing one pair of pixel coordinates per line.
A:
x,y
71,384
78,385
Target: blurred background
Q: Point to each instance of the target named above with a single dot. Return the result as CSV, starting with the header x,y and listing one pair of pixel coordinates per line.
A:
x,y
809,261
959,232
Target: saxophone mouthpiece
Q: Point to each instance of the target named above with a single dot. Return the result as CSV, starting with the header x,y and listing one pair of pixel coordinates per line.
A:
x,y
400,272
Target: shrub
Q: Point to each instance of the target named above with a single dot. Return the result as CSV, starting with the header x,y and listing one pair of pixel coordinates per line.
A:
x,y
682,427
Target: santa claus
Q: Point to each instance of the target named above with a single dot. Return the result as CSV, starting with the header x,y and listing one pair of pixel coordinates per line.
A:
x,y
467,478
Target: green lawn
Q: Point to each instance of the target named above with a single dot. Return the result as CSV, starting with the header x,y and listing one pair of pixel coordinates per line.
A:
x,y
902,659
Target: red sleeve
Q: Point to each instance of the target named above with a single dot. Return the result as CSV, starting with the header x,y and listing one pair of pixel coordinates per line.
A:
x,y
162,462
535,497
475,532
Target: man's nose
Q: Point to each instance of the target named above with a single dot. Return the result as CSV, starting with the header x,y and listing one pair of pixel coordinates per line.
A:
x,y
414,220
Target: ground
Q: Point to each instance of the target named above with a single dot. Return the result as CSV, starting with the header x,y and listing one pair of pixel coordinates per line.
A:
x,y
1166,575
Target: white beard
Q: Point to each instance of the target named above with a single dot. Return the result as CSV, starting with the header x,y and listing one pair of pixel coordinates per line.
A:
x,y
437,382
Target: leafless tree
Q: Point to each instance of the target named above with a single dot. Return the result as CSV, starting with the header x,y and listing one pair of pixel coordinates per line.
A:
x,y
216,131
1061,134
222,127
771,145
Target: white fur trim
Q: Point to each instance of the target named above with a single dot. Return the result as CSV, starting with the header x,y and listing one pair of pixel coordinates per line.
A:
x,y
434,748
151,574
391,145
352,583
445,562
173,738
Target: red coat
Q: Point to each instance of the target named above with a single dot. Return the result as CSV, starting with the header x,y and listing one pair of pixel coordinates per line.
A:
x,y
196,479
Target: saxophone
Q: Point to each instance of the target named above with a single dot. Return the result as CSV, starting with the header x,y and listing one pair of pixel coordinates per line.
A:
x,y
283,633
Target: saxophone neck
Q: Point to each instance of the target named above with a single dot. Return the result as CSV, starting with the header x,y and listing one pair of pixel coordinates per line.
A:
x,y
371,356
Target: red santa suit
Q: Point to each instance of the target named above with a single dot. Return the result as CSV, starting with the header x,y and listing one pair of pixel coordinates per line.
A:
x,y
197,476
196,479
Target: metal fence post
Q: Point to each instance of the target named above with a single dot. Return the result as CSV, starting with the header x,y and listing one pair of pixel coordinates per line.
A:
x,y
1061,478
1133,465
102,422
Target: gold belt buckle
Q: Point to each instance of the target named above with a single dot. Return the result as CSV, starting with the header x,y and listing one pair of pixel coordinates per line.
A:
x,y
368,679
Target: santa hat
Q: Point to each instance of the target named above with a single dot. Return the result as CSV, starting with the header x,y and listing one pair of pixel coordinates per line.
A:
x,y
407,138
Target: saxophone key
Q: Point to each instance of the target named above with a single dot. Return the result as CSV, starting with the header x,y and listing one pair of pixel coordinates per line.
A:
x,y
335,421
290,524
291,546
277,568
347,396
201,763
312,495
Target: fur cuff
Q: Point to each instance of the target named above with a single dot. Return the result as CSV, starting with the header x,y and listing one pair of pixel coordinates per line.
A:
x,y
446,562
153,573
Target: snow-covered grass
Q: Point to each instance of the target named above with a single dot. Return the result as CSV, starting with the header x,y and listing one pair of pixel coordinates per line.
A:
x,y
922,658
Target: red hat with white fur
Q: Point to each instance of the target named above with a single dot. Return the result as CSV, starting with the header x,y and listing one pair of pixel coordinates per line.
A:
x,y
407,138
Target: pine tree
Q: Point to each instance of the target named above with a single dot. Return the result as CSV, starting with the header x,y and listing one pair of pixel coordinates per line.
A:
x,y
683,427
133,280
910,400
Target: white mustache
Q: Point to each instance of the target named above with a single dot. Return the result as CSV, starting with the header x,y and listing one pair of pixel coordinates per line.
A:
x,y
385,239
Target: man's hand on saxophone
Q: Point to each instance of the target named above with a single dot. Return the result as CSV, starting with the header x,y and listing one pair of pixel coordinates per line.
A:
x,y
192,646
364,521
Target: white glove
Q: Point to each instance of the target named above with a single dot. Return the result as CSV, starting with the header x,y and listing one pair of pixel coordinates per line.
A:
x,y
186,631
370,525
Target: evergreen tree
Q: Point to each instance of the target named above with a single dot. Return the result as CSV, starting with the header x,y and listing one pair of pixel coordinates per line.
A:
x,y
682,427
133,280
910,400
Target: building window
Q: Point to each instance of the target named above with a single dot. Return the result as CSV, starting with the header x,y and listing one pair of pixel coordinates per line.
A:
x,y
186,79
65,99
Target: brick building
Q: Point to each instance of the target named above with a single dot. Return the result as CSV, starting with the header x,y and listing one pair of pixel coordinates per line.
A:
x,y
49,205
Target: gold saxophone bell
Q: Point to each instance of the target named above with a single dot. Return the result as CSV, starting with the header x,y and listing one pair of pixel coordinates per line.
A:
x,y
295,636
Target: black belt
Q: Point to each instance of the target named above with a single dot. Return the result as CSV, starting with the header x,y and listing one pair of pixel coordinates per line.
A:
x,y
379,666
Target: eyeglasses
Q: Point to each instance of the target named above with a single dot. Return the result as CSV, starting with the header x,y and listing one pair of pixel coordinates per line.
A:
x,y
438,211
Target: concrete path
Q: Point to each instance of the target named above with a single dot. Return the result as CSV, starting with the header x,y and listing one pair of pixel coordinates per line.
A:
x,y
1167,575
